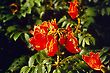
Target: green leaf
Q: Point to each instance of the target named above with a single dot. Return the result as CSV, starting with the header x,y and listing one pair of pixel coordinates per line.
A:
x,y
38,2
83,51
83,43
16,35
25,69
36,69
39,68
26,36
18,63
80,39
103,11
103,58
104,51
90,11
57,71
108,10
32,60
92,40
39,22
11,28
87,40
62,19
64,24
49,68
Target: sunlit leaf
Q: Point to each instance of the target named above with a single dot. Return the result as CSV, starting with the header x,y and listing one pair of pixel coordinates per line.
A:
x,y
17,35
25,69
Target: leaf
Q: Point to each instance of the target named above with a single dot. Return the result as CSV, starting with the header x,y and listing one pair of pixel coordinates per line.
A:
x,y
103,11
108,10
57,71
18,63
39,68
39,22
16,35
64,24
83,43
36,69
26,36
25,69
90,11
62,19
11,28
87,40
92,40
103,58
38,2
80,39
49,68
32,60
104,51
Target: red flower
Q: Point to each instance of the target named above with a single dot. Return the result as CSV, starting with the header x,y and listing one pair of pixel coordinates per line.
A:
x,y
52,45
62,39
73,10
93,60
38,41
72,44
39,38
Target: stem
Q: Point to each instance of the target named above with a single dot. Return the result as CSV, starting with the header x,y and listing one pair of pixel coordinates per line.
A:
x,y
78,26
58,60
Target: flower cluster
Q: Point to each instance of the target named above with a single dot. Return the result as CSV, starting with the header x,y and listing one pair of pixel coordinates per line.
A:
x,y
48,36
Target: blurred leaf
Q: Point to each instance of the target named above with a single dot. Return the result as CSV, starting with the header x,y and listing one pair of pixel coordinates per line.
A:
x,y
25,69
11,28
57,71
83,43
32,60
64,24
18,63
48,68
108,10
7,17
103,51
39,22
92,40
80,39
36,69
38,2
16,35
87,41
62,19
103,11
90,11
103,58
26,36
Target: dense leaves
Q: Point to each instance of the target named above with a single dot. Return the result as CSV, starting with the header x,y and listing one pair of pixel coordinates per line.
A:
x,y
56,28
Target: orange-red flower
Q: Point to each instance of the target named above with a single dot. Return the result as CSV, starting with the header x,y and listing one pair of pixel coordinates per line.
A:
x,y
39,39
73,10
43,38
70,41
52,45
93,60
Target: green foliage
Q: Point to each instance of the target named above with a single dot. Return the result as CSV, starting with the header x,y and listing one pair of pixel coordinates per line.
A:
x,y
17,64
38,63
17,26
86,39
